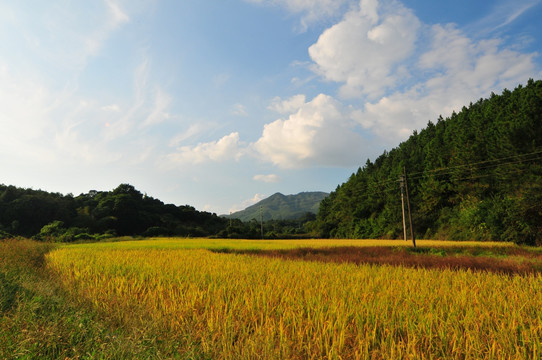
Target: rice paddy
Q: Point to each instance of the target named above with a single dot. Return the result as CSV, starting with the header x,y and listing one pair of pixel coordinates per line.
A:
x,y
206,299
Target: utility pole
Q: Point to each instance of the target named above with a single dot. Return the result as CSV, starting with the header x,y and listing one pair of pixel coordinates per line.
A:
x,y
261,220
409,212
402,182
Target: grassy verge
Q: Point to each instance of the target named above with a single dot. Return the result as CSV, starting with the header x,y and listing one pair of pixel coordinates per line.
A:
x,y
39,320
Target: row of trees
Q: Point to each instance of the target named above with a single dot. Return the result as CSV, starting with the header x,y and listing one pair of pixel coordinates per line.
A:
x,y
270,229
474,176
123,211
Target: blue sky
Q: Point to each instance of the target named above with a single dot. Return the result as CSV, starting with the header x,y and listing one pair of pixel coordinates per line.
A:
x,y
220,103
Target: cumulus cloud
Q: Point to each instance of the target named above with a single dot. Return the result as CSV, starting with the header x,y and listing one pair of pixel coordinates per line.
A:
x,y
226,148
287,106
365,50
403,73
461,70
319,133
270,178
476,64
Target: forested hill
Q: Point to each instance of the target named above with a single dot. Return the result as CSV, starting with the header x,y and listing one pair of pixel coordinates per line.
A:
x,y
122,211
283,207
476,175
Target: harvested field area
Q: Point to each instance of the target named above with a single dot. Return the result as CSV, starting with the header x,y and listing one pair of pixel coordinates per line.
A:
x,y
505,260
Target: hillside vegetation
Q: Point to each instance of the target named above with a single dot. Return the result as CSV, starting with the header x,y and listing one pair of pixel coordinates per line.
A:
x,y
283,207
475,175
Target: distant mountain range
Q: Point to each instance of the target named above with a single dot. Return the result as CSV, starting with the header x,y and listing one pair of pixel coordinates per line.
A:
x,y
282,207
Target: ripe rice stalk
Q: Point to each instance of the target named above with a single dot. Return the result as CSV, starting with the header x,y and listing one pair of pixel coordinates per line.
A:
x,y
243,306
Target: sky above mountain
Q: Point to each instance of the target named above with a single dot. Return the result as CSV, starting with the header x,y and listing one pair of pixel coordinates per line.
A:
x,y
218,104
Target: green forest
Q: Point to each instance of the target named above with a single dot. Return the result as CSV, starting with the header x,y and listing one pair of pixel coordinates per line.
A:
x,y
124,211
476,175
98,214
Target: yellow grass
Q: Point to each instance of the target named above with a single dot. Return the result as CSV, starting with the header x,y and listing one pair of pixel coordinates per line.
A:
x,y
232,306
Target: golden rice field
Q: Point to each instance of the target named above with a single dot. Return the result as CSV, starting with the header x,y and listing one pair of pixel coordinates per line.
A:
x,y
241,306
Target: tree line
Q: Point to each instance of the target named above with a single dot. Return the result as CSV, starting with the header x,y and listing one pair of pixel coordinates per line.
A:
x,y
473,176
98,214
124,211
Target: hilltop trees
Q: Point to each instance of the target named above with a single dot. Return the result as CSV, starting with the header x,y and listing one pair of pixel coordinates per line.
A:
x,y
476,175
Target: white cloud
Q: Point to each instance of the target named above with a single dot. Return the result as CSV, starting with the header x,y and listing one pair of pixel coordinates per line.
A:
x,y
112,107
226,148
193,130
478,65
119,16
255,199
365,49
73,145
311,11
64,37
404,73
504,13
25,108
41,107
148,107
320,133
316,133
462,71
287,106
50,127
239,110
162,100
270,178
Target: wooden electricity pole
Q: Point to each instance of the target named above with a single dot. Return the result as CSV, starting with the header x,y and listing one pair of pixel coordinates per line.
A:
x,y
402,182
409,212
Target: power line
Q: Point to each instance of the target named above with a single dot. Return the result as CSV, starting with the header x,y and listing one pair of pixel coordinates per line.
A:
x,y
477,163
521,158
450,172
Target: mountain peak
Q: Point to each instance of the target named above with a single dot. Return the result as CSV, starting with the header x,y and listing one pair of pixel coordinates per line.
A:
x,y
282,207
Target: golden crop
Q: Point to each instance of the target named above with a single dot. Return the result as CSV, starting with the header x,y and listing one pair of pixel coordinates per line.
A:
x,y
232,306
